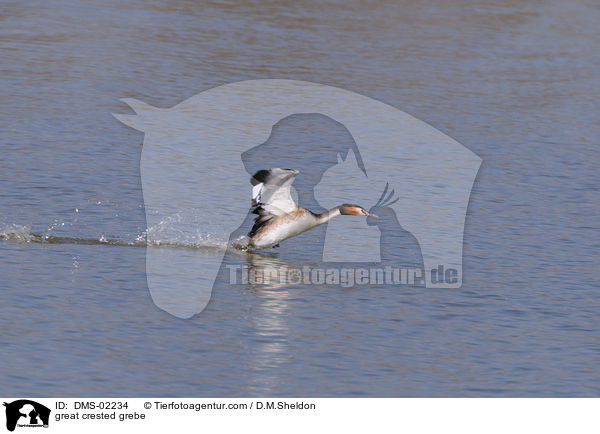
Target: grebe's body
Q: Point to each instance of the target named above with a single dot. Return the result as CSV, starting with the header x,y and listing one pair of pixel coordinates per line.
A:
x,y
279,218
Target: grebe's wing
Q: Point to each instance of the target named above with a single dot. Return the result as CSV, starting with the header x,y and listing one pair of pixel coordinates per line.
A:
x,y
271,195
271,190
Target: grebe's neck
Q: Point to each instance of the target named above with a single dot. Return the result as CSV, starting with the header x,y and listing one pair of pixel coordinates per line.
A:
x,y
324,217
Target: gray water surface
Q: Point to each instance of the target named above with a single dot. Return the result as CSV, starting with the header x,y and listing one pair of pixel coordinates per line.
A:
x,y
516,82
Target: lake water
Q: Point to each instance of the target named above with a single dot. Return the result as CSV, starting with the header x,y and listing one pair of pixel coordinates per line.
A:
x,y
516,82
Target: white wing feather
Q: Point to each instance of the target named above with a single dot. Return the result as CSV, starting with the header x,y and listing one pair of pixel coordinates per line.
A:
x,y
274,196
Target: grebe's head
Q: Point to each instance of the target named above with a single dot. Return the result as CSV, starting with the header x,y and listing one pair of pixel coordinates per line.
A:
x,y
349,209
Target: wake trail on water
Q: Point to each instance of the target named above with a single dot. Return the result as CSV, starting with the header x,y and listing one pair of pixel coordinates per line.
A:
x,y
22,234
121,224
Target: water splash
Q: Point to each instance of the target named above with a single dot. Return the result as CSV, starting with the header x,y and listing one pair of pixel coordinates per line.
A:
x,y
99,222
18,233
151,237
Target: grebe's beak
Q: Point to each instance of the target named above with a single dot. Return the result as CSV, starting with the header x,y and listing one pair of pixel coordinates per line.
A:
x,y
372,215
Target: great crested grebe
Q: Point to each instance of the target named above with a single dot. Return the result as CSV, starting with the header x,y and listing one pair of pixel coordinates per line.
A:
x,y
279,218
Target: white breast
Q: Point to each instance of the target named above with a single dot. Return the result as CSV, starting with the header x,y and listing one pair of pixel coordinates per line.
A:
x,y
283,228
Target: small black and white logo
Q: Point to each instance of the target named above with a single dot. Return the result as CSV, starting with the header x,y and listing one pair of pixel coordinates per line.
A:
x,y
26,413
